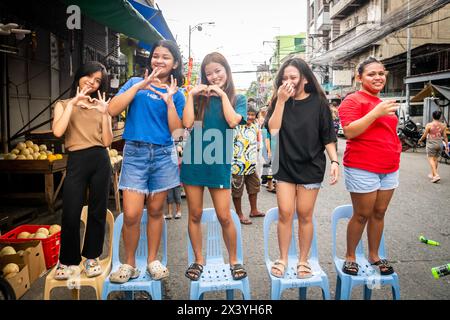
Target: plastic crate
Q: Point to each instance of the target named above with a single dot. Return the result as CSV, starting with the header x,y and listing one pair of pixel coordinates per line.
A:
x,y
50,245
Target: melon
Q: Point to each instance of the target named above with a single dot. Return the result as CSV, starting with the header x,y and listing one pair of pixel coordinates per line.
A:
x,y
40,235
23,235
43,230
7,251
54,228
29,143
11,268
42,147
21,146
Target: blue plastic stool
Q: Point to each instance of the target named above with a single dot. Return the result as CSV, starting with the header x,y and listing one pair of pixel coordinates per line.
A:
x,y
367,276
144,282
290,280
216,274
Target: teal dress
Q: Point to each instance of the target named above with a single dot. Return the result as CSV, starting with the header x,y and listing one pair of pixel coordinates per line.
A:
x,y
209,149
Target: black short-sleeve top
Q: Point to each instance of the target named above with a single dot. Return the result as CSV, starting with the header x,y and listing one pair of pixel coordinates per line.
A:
x,y
306,128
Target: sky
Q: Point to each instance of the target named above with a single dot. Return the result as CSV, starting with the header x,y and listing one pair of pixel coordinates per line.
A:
x,y
239,31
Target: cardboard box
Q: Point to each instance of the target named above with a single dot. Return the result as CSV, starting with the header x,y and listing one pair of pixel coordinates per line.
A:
x,y
33,257
21,281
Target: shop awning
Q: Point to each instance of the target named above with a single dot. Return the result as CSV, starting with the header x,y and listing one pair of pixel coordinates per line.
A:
x,y
155,17
120,16
432,90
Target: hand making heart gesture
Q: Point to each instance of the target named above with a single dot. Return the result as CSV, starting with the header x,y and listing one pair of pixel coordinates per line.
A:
x,y
148,79
81,98
171,90
101,104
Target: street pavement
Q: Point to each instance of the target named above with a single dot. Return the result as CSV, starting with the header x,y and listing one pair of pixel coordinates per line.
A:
x,y
418,207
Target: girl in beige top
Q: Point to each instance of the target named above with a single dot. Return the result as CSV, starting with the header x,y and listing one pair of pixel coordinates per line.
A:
x,y
86,124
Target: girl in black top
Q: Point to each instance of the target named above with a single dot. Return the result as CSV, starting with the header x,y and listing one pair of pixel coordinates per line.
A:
x,y
300,118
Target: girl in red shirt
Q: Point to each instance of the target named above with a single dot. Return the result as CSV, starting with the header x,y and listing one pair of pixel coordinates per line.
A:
x,y
371,161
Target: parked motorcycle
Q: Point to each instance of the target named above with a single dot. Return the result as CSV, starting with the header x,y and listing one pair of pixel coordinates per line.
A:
x,y
6,291
409,136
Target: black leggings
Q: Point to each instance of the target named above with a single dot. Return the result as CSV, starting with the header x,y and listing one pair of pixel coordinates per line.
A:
x,y
86,169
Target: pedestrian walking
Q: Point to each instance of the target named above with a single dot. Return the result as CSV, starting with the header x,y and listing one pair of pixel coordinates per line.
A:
x,y
86,125
371,161
435,135
301,119
213,109
149,167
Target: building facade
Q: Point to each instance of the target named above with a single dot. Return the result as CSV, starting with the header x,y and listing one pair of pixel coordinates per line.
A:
x,y
285,46
357,29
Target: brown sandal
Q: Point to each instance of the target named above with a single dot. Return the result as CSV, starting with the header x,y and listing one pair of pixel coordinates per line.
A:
x,y
280,266
305,268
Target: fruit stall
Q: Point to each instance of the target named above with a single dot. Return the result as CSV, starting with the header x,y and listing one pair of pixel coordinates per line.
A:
x,y
30,158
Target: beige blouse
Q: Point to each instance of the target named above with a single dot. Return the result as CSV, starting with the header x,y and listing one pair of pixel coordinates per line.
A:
x,y
84,129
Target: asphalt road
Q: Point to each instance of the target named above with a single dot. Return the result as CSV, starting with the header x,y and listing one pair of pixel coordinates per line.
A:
x,y
418,207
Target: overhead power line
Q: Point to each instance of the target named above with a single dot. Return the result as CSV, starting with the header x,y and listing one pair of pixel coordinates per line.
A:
x,y
396,21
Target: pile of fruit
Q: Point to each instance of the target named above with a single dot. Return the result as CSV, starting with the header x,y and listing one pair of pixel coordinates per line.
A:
x,y
114,156
11,269
29,151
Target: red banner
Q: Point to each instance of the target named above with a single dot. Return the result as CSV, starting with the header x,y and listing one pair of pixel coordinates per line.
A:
x,y
189,72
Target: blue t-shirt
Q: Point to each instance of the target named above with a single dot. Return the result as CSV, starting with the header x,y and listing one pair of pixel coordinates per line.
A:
x,y
147,119
209,150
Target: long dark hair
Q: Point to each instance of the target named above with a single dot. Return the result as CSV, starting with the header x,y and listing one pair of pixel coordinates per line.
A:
x,y
87,69
170,45
201,101
312,87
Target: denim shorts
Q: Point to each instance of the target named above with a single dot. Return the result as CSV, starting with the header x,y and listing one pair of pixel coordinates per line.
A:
x,y
362,181
149,168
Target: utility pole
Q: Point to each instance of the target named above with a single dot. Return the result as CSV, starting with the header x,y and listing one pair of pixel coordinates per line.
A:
x,y
408,59
190,31
278,50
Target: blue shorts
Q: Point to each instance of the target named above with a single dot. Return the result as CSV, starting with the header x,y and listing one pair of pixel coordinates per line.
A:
x,y
362,181
149,168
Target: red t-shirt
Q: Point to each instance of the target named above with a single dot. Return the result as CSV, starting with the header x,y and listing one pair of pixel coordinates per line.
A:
x,y
378,148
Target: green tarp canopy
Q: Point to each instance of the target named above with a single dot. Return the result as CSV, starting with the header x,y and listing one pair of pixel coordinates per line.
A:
x,y
120,16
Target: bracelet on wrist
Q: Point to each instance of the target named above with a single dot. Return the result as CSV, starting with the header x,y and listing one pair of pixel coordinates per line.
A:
x,y
335,162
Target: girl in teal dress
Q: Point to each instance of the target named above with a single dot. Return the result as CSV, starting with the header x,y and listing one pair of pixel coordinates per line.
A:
x,y
212,111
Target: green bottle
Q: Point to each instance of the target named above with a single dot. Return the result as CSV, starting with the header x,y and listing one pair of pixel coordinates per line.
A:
x,y
441,271
428,241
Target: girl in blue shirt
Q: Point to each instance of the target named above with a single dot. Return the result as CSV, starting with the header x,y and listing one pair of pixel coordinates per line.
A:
x,y
213,110
149,165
